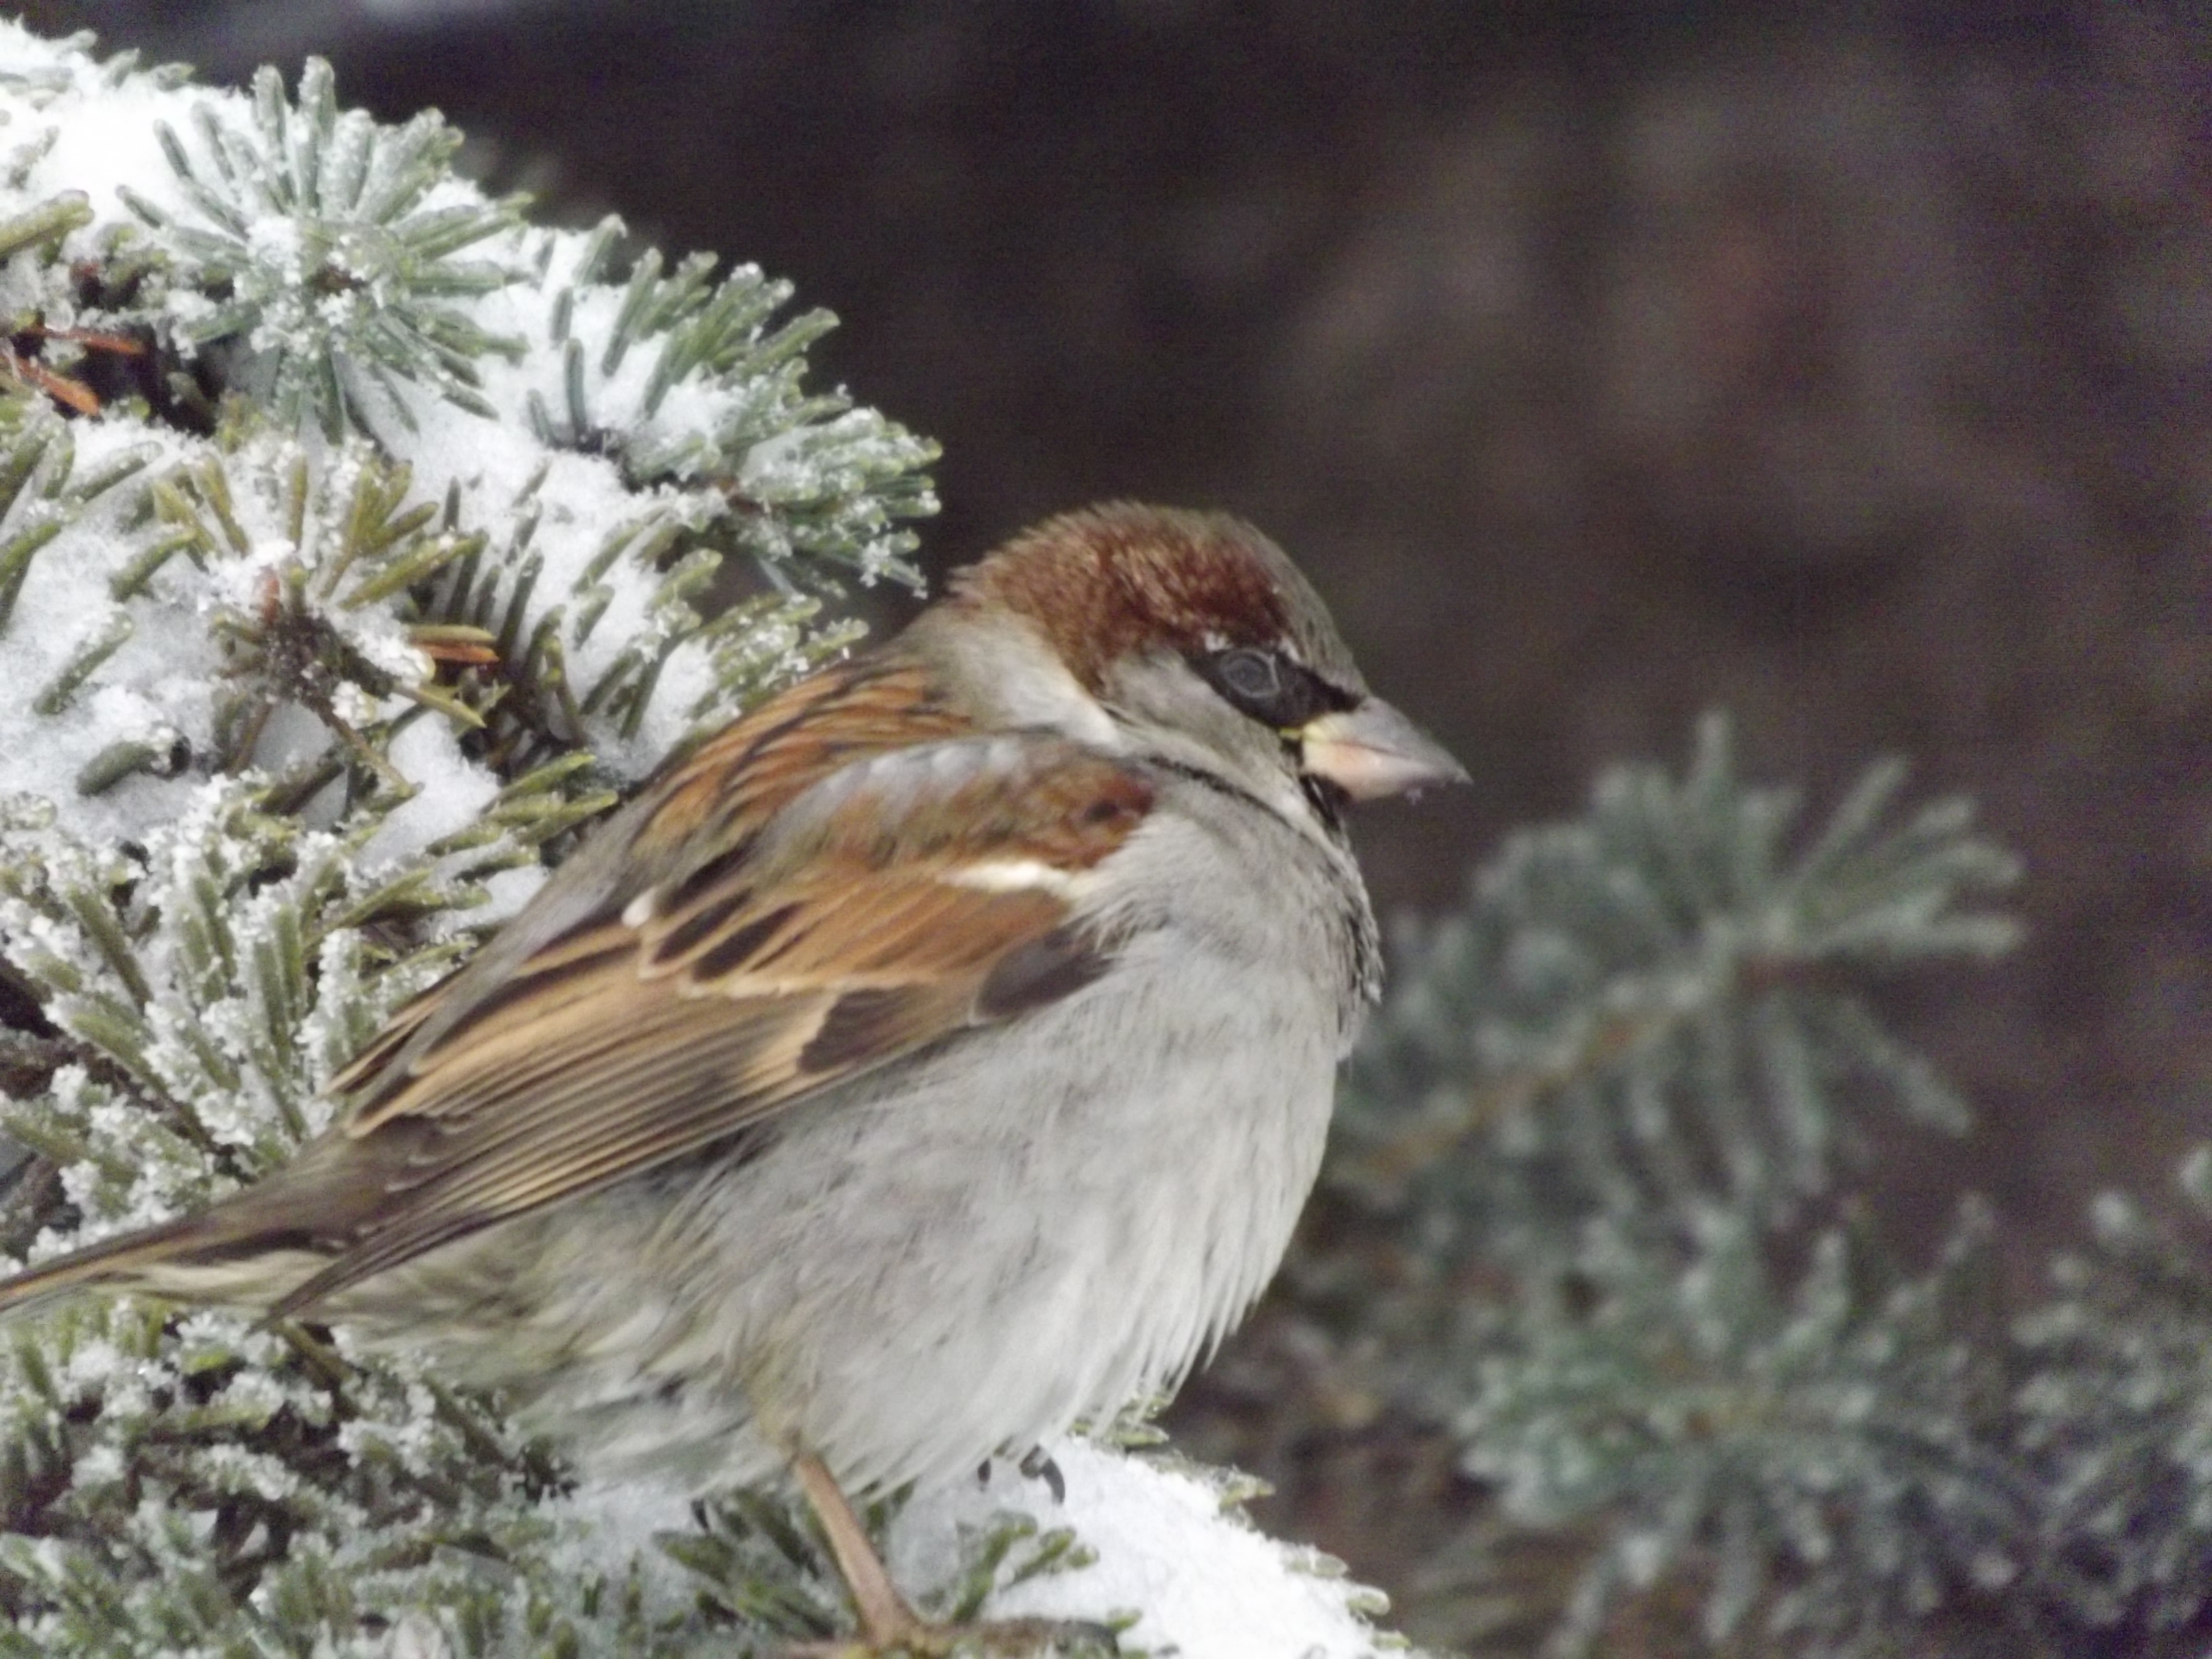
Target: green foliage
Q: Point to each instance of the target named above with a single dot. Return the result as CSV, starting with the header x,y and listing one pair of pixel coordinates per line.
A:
x,y
322,247
2117,1415
1592,1207
202,1483
43,491
316,356
344,539
204,1486
635,359
677,377
210,984
752,1566
1657,1007
1826,1459
1642,1047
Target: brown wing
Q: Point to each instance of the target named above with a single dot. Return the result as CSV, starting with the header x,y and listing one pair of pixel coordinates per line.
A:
x,y
693,821
911,895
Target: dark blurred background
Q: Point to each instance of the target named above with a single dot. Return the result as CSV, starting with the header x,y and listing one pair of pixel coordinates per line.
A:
x,y
1844,366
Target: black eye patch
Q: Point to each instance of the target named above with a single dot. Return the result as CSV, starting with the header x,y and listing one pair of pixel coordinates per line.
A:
x,y
1268,686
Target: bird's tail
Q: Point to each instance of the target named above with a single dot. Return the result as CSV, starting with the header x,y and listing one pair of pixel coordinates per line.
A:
x,y
224,1256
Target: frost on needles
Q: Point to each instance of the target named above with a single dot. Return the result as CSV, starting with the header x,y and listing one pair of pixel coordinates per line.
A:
x,y
360,543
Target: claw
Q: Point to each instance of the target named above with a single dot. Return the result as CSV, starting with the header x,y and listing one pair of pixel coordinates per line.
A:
x,y
1038,1465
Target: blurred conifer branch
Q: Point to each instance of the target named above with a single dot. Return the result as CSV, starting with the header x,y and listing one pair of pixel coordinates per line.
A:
x,y
1657,1003
1592,1221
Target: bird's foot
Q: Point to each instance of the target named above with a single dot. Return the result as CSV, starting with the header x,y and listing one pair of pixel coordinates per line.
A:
x,y
891,1629
998,1639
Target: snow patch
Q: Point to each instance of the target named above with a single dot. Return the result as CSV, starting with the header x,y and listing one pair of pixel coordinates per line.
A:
x,y
1207,1584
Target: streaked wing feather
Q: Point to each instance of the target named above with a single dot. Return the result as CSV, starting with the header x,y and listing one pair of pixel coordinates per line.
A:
x,y
695,822
848,935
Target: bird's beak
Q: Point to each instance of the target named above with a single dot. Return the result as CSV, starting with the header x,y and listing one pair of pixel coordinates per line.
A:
x,y
1372,750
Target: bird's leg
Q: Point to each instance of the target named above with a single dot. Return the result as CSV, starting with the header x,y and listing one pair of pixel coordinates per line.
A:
x,y
886,1621
891,1627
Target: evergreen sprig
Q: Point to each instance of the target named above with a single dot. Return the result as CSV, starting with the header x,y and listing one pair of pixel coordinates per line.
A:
x,y
208,1487
2116,1413
680,378
1590,1129
1828,1462
212,981
43,491
1661,1006
204,1484
500,596
1862,1463
312,551
325,248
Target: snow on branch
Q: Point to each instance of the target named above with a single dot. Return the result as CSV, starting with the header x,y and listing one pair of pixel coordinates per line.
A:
x,y
320,365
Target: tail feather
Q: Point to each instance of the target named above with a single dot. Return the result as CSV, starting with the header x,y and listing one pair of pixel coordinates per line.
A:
x,y
218,1255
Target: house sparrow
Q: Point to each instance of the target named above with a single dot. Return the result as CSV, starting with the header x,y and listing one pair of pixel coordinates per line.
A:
x,y
937,1054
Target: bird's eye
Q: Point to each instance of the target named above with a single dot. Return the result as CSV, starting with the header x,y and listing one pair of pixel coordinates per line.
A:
x,y
1252,678
1264,684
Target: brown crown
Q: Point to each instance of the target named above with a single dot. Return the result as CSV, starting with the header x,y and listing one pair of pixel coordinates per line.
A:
x,y
1107,581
